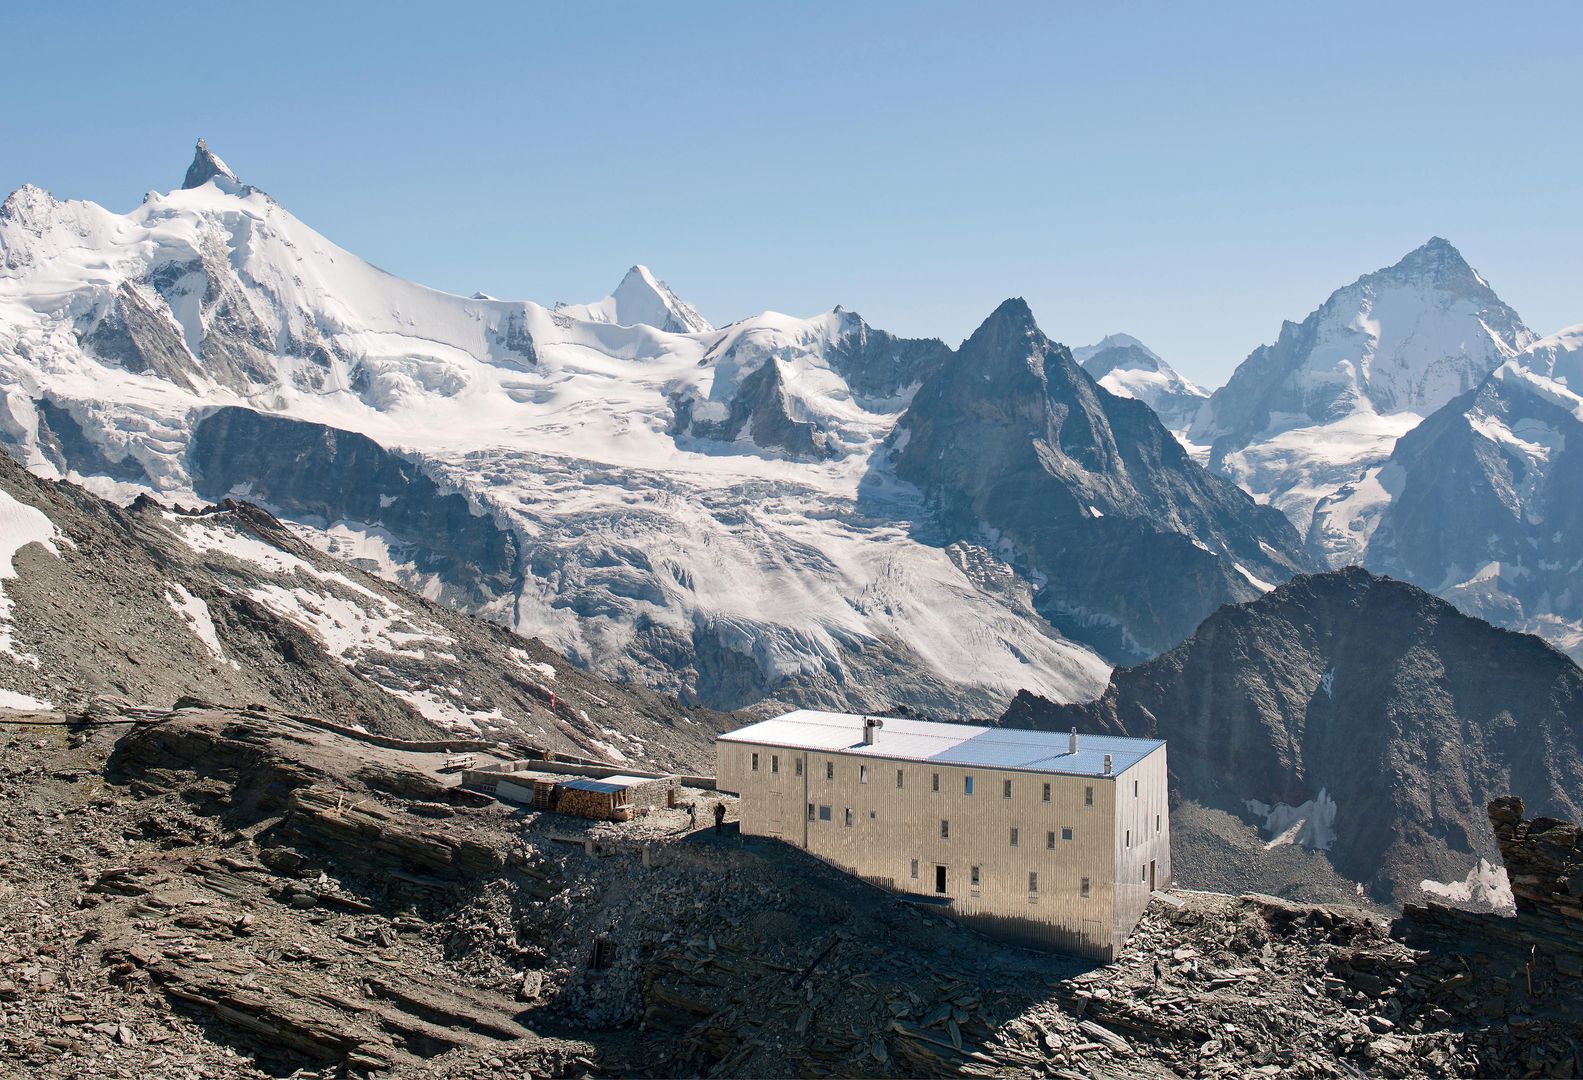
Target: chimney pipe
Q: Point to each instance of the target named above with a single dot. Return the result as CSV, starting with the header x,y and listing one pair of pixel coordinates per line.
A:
x,y
1107,764
871,726
1072,743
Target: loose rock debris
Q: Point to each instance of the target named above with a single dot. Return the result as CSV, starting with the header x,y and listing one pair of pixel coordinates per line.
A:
x,y
232,894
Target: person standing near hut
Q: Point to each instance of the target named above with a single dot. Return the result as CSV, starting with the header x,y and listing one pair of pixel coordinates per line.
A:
x,y
720,818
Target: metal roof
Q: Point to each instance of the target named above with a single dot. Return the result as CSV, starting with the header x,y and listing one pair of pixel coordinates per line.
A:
x,y
609,785
601,786
949,744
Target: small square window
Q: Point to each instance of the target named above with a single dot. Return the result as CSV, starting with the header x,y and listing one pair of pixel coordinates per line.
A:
x,y
1085,889
829,770
775,763
1033,881
755,763
967,785
824,813
899,775
847,821
862,774
1014,836
1066,832
798,762
1088,796
1049,839
915,869
973,876
1047,793
1005,789
810,811
945,829
873,815
934,782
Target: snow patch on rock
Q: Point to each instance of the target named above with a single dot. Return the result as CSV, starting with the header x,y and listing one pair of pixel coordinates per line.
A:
x,y
1311,825
1486,887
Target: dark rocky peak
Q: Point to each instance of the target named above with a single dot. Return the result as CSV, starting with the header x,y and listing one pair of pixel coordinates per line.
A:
x,y
1099,498
877,364
1008,327
1367,708
206,166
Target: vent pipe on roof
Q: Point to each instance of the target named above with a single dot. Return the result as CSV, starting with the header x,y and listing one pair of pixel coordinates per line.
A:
x,y
1071,747
871,726
1107,764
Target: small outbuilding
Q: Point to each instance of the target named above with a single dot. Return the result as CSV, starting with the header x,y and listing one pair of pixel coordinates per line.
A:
x,y
613,798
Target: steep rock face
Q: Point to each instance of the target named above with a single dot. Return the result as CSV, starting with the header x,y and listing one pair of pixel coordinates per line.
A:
x,y
1505,464
1128,368
879,365
313,471
761,413
1131,542
206,166
785,389
1367,717
1328,399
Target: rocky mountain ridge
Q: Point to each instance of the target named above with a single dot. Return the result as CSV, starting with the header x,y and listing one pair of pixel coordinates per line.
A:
x,y
103,607
1352,715
1131,541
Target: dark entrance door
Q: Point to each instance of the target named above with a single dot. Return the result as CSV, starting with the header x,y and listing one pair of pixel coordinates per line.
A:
x,y
939,879
1151,875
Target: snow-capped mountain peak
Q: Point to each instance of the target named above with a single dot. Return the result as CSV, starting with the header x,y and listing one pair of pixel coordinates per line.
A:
x,y
1128,368
206,166
1083,353
643,300
1327,401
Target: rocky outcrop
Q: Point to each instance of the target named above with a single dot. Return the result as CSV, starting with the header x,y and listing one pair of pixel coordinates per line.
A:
x,y
880,365
64,443
760,412
1544,862
1132,543
140,336
1373,716
206,166
313,471
232,894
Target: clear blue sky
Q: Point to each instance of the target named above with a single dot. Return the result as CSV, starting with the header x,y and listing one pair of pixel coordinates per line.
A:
x,y
1192,174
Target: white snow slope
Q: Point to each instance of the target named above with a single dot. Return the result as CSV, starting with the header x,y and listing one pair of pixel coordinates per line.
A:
x,y
1128,368
557,421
